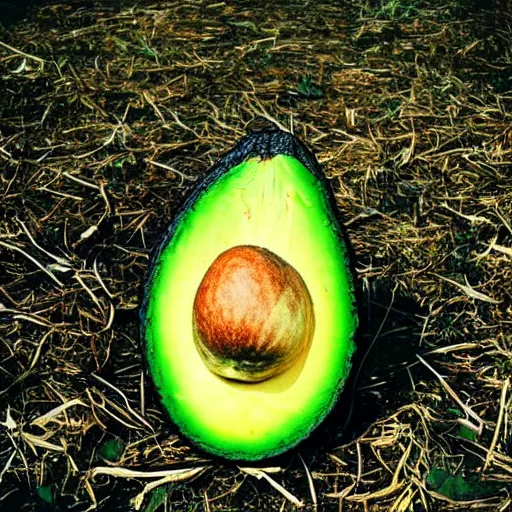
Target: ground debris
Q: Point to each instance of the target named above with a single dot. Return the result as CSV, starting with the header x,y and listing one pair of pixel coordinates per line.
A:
x,y
110,111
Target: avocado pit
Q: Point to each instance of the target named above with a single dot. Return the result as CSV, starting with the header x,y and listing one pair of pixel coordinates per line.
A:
x,y
252,315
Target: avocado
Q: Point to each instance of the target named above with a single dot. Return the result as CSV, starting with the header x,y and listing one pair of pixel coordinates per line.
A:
x,y
249,312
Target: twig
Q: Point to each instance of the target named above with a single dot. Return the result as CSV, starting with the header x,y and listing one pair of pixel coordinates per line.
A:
x,y
469,412
133,473
474,219
172,169
394,486
310,482
33,260
7,465
503,403
111,386
24,54
263,113
469,291
185,474
261,474
41,421
81,181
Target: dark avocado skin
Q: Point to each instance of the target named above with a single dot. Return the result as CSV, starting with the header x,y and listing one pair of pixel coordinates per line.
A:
x,y
264,145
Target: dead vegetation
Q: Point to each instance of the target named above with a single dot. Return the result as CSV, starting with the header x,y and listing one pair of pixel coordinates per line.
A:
x,y
108,116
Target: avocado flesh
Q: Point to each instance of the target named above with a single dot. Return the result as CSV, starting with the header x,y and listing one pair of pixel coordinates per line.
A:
x,y
278,204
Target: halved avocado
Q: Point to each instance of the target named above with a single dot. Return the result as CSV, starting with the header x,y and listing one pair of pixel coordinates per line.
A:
x,y
267,193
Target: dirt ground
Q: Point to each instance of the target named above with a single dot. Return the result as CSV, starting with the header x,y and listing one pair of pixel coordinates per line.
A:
x,y
109,114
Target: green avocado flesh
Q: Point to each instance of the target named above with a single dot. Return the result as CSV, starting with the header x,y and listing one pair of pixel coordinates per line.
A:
x,y
277,204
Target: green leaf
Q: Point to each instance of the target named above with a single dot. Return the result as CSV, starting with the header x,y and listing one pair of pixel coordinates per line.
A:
x,y
45,493
245,24
118,164
467,433
436,477
309,90
459,487
111,450
157,499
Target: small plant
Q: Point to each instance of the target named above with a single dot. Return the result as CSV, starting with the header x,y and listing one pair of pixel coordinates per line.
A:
x,y
111,450
392,9
45,493
308,89
460,487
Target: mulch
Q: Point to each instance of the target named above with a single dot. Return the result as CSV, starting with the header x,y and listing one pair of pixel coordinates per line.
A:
x,y
110,112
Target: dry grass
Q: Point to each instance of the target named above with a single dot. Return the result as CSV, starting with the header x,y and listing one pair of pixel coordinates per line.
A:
x,y
107,117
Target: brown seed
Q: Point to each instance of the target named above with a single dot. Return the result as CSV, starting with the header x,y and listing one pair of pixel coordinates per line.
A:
x,y
253,315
